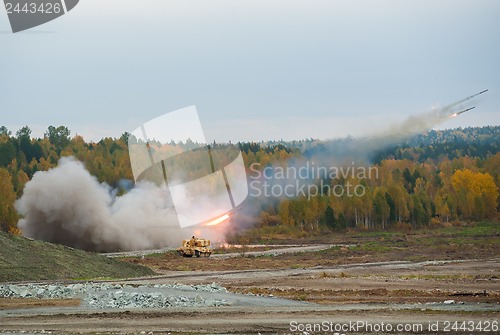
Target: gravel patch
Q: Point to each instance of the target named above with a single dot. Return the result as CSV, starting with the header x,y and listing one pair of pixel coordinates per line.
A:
x,y
105,295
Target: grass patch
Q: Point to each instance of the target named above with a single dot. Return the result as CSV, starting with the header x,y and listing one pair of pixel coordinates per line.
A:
x,y
375,246
22,259
326,275
269,235
475,242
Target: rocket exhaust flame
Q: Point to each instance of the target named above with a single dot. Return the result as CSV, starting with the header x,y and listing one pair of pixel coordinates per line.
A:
x,y
451,106
218,220
458,113
418,123
365,148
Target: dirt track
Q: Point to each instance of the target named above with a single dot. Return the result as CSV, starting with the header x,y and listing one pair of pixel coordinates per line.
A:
x,y
389,292
232,320
270,250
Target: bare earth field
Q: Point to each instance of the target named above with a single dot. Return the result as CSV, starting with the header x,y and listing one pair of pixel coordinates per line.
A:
x,y
428,282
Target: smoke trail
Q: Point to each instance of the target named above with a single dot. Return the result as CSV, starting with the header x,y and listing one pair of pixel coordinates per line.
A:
x,y
67,205
362,149
419,123
322,160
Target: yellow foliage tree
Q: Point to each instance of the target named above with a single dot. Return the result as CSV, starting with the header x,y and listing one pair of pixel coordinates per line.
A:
x,y
8,216
476,193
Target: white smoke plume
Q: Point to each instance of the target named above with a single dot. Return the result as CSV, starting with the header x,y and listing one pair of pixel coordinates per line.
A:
x,y
422,122
67,205
302,176
361,149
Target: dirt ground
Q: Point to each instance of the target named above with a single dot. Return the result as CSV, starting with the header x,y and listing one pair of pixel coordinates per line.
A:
x,y
475,242
409,293
244,321
8,304
443,283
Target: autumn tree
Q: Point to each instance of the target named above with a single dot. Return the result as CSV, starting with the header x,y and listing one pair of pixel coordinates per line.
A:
x,y
441,206
284,212
381,207
416,182
476,194
8,217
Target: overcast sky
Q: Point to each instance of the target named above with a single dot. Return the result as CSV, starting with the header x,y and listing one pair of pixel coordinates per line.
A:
x,y
256,70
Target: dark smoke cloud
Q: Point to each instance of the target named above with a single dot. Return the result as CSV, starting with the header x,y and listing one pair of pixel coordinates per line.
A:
x,y
67,205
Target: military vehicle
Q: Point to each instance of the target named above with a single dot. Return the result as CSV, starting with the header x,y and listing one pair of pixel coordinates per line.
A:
x,y
198,247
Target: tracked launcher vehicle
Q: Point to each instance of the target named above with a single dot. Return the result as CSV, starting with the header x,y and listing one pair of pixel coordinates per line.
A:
x,y
198,247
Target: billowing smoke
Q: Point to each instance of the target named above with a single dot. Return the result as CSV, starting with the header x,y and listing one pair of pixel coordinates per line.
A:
x,y
67,205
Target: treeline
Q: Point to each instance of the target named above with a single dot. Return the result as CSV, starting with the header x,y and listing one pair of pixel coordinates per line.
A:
x,y
435,177
432,178
435,145
405,193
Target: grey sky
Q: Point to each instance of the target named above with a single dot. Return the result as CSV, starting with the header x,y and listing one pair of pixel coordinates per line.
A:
x,y
254,69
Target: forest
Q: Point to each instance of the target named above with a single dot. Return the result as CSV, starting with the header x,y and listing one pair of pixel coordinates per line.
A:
x,y
433,178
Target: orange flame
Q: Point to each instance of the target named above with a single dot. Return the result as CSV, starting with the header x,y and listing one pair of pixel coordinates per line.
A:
x,y
218,220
